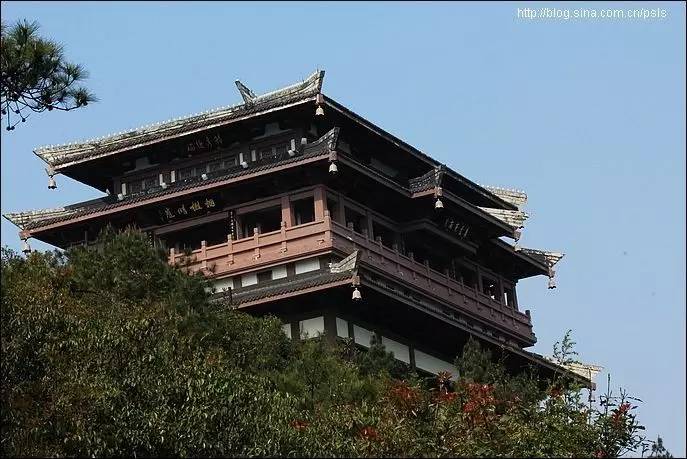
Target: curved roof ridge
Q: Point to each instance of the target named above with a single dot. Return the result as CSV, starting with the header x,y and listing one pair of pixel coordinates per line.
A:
x,y
22,219
52,154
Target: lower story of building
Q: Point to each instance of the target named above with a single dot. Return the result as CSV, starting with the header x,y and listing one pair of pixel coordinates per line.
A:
x,y
345,305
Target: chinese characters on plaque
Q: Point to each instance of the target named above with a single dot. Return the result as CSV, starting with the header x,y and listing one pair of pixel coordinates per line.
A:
x,y
205,143
459,229
198,206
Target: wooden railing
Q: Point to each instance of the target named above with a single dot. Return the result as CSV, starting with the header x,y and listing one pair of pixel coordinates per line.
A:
x,y
260,249
421,276
316,237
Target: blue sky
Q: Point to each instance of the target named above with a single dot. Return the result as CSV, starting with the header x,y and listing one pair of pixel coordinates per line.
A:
x,y
586,116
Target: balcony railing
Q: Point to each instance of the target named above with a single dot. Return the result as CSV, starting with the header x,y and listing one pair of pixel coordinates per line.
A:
x,y
260,249
423,277
316,237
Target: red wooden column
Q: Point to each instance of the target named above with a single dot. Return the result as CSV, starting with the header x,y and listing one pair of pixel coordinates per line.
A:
x,y
319,204
286,214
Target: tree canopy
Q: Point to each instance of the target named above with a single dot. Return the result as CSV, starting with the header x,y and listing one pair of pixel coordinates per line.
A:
x,y
36,75
109,351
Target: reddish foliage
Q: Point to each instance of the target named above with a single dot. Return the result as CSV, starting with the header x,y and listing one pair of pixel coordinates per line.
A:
x,y
299,424
404,395
619,414
445,397
555,392
369,433
479,403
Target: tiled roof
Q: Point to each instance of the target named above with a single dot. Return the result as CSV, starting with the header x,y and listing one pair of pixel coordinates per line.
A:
x,y
338,271
514,218
544,256
61,155
515,197
287,285
350,263
25,219
37,218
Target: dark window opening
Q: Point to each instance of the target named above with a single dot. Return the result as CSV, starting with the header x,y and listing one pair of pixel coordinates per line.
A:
x,y
358,220
468,277
333,208
265,221
267,152
187,173
274,151
264,276
142,184
215,166
190,239
281,150
386,235
223,163
303,210
490,288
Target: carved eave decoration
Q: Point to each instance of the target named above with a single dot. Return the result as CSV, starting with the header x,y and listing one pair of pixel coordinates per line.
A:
x,y
348,264
548,258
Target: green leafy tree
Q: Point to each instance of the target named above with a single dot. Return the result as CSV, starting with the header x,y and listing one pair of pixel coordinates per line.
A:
x,y
110,351
36,76
658,450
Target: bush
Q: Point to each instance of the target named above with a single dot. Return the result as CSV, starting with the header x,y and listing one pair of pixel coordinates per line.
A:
x,y
109,351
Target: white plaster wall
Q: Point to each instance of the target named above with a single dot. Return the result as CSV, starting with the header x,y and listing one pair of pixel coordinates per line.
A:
x,y
310,264
433,365
249,279
279,272
401,351
311,328
362,336
341,328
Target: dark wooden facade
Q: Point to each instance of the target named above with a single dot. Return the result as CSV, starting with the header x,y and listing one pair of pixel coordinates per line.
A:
x,y
293,205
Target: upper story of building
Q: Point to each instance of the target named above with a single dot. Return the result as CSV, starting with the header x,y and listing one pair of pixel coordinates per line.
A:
x,y
294,171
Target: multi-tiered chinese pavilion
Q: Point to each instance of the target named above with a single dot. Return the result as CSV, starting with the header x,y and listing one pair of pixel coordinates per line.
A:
x,y
295,206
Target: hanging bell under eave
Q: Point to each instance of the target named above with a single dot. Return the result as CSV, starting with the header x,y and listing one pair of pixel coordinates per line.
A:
x,y
319,111
552,283
26,248
356,294
438,204
333,168
51,183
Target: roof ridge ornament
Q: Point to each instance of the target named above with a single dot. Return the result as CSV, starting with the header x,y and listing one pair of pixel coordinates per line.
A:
x,y
248,95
